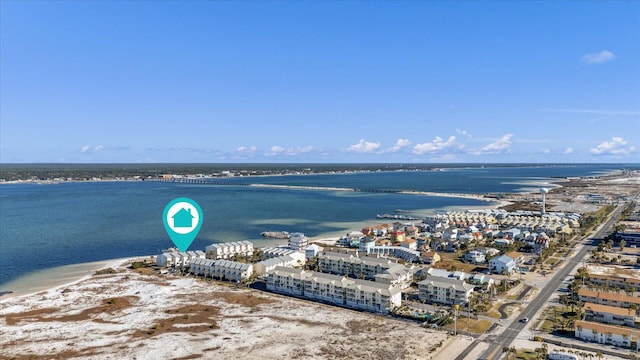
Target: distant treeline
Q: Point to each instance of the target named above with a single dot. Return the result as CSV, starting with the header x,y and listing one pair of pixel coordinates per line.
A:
x,y
43,172
12,172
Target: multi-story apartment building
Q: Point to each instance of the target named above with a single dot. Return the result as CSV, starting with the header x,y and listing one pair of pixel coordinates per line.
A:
x,y
444,290
366,267
335,289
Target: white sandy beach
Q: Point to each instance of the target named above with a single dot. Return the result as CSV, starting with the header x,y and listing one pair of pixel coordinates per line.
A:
x,y
55,277
134,315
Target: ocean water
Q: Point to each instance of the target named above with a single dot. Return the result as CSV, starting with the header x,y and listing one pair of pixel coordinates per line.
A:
x,y
44,226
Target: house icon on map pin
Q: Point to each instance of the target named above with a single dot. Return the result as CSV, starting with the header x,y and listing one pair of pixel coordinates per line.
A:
x,y
183,218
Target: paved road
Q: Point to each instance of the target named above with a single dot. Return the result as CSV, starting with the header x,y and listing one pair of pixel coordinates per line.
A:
x,y
509,334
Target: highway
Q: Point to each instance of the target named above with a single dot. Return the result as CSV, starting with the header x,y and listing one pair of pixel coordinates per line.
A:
x,y
509,334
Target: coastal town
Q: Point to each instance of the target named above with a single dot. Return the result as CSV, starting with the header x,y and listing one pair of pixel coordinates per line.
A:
x,y
458,264
528,283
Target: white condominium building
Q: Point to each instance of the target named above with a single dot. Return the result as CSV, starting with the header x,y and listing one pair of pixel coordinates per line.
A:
x,y
178,259
367,267
444,290
297,241
334,289
228,249
222,269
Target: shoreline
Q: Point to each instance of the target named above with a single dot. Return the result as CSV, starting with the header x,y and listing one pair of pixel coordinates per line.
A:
x,y
54,278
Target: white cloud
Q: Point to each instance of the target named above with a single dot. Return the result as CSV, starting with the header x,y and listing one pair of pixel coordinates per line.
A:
x,y
279,150
617,146
463,132
598,57
436,145
364,146
87,149
568,151
545,151
246,149
499,146
400,144
300,150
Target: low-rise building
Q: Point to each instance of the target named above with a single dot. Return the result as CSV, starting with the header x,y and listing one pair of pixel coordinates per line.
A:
x,y
298,241
615,281
430,257
178,259
222,269
225,250
312,251
609,314
367,244
268,265
335,289
607,298
475,257
502,263
444,290
400,252
605,334
271,252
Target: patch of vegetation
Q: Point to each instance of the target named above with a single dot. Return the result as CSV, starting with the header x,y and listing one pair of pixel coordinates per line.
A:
x,y
105,271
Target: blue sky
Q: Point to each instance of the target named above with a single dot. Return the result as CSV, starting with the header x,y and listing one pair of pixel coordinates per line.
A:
x,y
200,81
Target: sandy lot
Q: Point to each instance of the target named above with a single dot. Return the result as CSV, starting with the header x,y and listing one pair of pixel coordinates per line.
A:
x,y
135,316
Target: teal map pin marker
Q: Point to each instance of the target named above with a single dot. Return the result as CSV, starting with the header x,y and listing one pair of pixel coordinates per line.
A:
x,y
182,219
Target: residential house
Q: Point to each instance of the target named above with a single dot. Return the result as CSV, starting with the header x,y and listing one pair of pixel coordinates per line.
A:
x,y
475,257
430,257
482,279
410,244
312,251
366,245
502,264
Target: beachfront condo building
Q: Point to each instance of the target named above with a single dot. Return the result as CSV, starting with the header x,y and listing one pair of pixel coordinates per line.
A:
x,y
335,289
444,290
228,249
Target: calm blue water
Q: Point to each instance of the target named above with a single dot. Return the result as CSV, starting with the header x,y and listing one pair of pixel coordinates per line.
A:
x,y
43,226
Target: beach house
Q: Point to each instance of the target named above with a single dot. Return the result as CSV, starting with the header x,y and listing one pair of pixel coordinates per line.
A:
x,y
502,264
